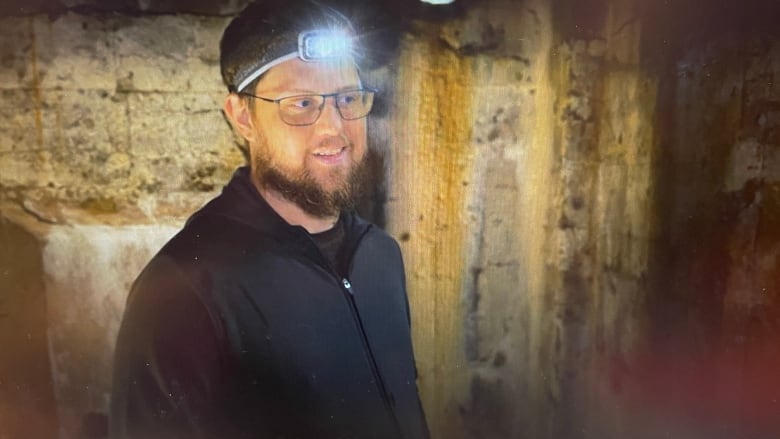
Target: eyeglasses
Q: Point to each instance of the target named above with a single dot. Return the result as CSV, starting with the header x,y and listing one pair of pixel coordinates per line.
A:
x,y
306,109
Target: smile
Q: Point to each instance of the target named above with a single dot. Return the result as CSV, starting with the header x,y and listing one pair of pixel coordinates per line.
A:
x,y
330,152
331,156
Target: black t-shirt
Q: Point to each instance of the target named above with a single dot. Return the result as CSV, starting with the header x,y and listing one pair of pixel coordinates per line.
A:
x,y
331,243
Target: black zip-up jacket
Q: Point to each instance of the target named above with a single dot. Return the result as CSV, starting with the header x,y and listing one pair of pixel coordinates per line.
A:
x,y
239,328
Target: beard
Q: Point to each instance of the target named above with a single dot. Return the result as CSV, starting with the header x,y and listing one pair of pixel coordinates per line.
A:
x,y
304,190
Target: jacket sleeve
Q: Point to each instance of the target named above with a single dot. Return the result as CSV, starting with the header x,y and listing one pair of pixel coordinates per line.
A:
x,y
169,373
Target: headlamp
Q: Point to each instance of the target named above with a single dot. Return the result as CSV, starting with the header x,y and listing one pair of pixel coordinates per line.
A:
x,y
319,45
313,45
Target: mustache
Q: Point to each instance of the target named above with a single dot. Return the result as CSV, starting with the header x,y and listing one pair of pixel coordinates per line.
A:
x,y
338,141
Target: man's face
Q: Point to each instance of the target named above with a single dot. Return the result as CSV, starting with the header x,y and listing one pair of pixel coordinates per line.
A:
x,y
321,166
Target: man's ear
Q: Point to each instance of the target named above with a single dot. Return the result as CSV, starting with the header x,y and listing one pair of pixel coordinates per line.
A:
x,y
237,111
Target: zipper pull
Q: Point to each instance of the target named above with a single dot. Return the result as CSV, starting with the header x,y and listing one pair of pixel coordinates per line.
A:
x,y
347,285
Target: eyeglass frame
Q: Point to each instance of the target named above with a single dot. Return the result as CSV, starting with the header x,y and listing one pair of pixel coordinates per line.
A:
x,y
324,96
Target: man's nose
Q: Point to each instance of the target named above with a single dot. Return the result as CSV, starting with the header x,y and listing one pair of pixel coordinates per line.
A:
x,y
330,121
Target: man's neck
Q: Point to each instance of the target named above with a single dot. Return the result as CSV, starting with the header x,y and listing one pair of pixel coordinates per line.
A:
x,y
293,214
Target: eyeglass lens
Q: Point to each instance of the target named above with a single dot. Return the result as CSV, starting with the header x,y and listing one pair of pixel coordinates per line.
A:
x,y
304,110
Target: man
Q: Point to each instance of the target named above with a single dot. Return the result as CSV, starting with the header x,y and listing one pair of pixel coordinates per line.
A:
x,y
276,312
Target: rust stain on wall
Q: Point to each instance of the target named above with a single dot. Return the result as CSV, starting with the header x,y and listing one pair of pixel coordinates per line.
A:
x,y
431,171
36,85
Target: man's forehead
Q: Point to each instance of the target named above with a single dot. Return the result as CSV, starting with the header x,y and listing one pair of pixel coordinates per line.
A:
x,y
321,76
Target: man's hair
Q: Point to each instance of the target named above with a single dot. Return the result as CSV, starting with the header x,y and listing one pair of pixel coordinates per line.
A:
x,y
266,30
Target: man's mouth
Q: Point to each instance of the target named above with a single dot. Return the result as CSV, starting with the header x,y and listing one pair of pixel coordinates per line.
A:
x,y
330,156
330,152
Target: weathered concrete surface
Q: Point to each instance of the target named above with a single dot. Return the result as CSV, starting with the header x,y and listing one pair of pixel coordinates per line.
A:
x,y
585,193
720,297
64,343
731,168
605,222
436,142
112,115
88,271
535,187
111,136
565,284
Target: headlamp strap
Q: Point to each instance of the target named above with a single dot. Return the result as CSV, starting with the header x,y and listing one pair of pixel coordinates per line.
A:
x,y
313,45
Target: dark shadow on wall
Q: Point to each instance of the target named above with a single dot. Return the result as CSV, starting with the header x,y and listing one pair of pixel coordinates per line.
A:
x,y
714,298
717,130
27,402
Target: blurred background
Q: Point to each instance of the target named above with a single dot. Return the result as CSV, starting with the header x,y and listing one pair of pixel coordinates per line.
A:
x,y
586,192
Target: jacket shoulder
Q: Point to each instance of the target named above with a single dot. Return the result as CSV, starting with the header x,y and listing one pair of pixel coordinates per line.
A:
x,y
381,241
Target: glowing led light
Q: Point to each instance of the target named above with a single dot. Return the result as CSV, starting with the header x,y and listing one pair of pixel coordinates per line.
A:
x,y
437,2
315,45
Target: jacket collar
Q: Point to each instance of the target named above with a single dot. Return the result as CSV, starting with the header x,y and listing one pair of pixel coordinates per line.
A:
x,y
241,202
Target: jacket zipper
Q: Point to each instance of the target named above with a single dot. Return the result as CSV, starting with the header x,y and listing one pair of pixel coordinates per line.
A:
x,y
367,348
350,297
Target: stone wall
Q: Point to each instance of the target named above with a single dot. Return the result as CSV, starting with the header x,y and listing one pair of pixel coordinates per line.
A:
x,y
585,192
584,200
108,114
111,135
63,297
530,241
